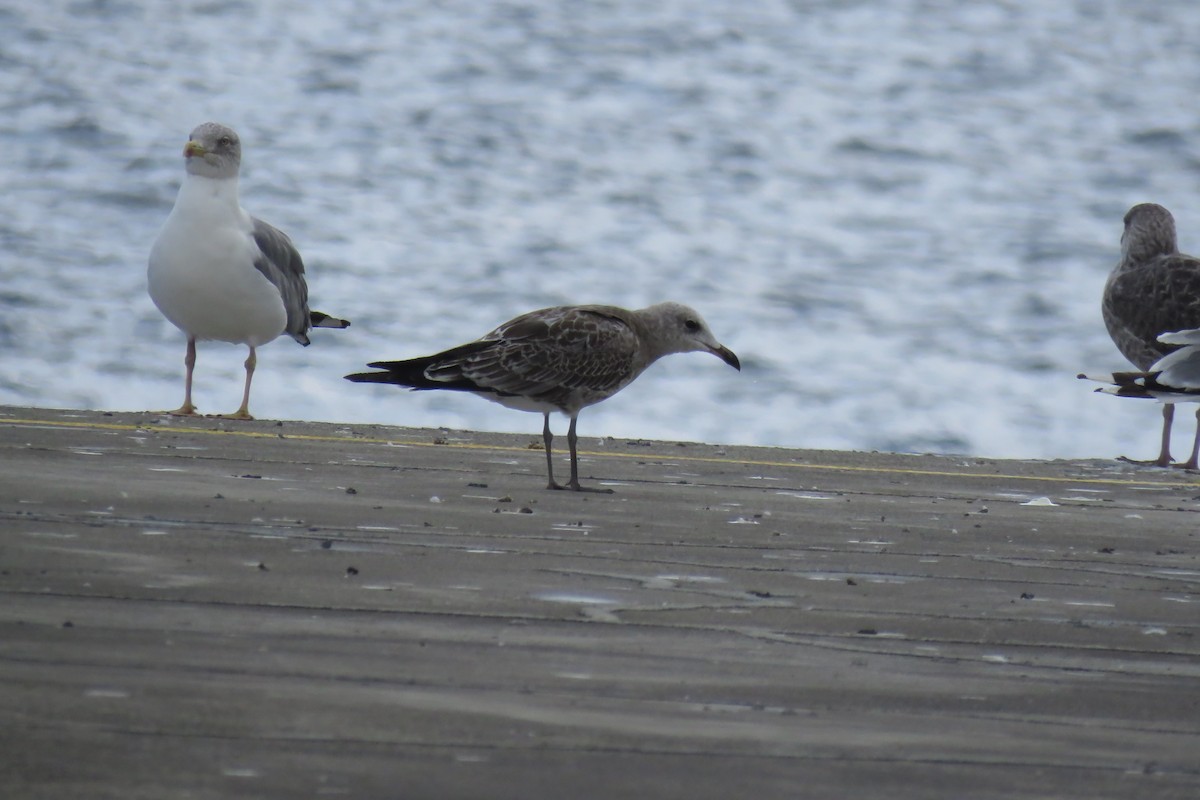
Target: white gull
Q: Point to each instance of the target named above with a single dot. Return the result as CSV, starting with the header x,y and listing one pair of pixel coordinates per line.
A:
x,y
218,273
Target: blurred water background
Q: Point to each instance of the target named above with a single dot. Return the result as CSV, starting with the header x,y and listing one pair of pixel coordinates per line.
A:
x,y
899,213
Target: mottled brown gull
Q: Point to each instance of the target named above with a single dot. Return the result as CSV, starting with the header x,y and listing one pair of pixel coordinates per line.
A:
x,y
218,273
558,359
1155,289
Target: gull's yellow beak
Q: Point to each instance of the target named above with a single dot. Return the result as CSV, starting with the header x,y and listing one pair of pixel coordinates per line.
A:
x,y
193,148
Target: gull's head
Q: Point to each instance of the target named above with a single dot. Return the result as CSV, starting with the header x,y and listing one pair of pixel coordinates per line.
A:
x,y
213,151
1149,231
676,328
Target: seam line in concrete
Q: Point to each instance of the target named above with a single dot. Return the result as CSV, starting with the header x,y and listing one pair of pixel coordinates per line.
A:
x,y
602,454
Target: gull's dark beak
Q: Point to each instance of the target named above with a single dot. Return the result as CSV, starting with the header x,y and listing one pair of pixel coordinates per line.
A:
x,y
193,148
728,356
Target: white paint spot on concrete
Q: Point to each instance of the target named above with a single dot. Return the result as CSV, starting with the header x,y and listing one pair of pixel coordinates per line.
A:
x,y
671,581
824,576
1040,501
576,598
471,758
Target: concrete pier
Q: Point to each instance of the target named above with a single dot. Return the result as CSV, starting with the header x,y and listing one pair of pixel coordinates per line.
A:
x,y
208,609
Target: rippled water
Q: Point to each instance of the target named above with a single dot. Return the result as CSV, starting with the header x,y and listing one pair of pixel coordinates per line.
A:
x,y
900,214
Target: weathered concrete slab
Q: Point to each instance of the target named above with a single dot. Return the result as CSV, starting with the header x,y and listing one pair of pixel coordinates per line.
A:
x,y
207,609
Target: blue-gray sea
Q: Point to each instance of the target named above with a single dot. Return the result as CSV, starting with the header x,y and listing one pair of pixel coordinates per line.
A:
x,y
899,213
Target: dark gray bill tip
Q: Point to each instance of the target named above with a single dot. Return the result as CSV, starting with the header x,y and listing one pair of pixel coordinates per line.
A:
x,y
729,357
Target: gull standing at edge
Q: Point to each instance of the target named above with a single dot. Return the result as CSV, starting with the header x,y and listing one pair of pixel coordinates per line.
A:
x,y
1154,290
216,272
558,359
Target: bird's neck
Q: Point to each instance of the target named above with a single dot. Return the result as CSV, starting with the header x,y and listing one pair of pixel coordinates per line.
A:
x,y
651,335
1144,250
209,193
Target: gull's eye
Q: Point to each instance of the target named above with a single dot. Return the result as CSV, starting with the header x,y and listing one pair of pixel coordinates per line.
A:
x,y
224,141
691,324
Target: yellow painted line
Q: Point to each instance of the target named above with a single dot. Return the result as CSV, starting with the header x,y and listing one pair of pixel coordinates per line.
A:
x,y
115,426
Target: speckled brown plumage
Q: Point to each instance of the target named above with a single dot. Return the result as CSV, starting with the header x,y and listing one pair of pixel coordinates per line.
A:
x,y
566,357
563,359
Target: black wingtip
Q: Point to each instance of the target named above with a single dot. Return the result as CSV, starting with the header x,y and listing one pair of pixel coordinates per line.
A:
x,y
319,319
368,377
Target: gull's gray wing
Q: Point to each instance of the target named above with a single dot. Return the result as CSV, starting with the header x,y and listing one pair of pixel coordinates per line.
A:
x,y
1181,368
280,263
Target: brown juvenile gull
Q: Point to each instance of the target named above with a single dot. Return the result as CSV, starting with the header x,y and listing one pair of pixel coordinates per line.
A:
x,y
1155,289
558,359
218,273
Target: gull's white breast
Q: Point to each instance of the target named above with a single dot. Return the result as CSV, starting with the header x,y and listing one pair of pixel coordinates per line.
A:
x,y
202,275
